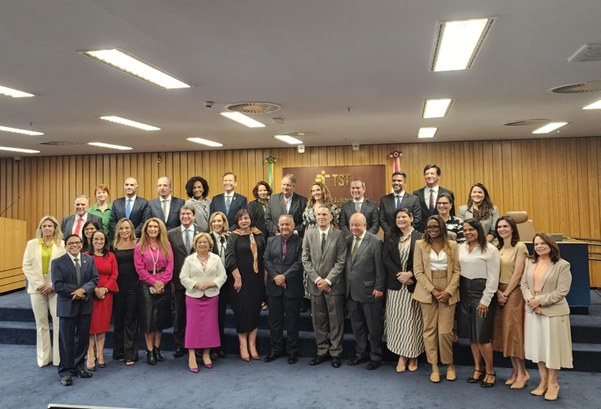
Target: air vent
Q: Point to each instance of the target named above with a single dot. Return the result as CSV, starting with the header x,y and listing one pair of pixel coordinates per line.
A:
x,y
587,53
527,122
254,107
61,143
578,88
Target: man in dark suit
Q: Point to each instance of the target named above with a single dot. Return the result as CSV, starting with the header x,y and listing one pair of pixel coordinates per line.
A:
x,y
286,202
359,204
74,277
428,195
365,286
181,239
73,224
131,207
399,199
166,207
229,202
284,288
324,255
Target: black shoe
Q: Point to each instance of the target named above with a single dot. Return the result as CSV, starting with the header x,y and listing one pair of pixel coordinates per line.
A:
x,y
273,356
485,384
66,380
319,359
179,352
477,378
292,358
373,365
83,374
157,355
357,361
336,362
150,359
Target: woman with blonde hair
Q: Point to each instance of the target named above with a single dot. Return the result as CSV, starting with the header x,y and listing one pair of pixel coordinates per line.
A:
x,y
153,258
39,253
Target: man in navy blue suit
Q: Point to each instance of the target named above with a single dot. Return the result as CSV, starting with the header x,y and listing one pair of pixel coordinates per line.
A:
x,y
130,206
165,206
74,277
229,202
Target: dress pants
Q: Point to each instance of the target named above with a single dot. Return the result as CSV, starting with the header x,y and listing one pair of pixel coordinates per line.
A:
x,y
74,339
179,317
284,310
125,320
366,321
328,317
46,351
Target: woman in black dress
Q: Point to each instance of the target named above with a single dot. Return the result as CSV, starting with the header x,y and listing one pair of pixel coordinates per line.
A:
x,y
262,192
244,263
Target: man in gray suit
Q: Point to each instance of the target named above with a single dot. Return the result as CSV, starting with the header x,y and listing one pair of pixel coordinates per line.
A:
x,y
365,286
165,206
286,202
324,254
359,204
73,224
181,239
399,199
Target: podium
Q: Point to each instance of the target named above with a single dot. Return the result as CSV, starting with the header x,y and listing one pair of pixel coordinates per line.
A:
x,y
13,240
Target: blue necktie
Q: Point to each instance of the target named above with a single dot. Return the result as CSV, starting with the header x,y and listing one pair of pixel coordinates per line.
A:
x,y
128,208
228,203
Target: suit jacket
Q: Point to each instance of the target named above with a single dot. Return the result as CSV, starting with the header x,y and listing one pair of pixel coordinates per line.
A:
x,y
366,272
257,215
238,202
424,206
179,251
140,212
556,286
329,265
277,207
156,210
369,210
68,222
32,264
388,209
392,261
192,272
291,266
64,281
422,270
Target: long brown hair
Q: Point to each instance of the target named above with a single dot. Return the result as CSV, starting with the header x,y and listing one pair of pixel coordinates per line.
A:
x,y
162,238
325,193
550,241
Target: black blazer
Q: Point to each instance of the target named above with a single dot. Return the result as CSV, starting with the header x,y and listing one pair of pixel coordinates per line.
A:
x,y
257,215
140,212
156,210
424,206
388,209
238,202
277,207
369,210
179,252
291,266
392,261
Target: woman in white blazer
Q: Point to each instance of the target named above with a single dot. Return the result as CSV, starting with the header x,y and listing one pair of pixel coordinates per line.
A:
x,y
202,275
39,253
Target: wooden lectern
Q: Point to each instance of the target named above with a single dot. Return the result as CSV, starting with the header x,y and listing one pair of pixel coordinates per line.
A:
x,y
12,246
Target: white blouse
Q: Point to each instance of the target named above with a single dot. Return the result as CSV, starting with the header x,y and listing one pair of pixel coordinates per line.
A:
x,y
478,264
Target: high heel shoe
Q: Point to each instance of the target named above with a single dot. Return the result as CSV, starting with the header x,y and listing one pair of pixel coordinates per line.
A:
x,y
194,370
476,379
488,384
552,392
540,389
520,383
150,359
157,355
93,367
511,379
402,365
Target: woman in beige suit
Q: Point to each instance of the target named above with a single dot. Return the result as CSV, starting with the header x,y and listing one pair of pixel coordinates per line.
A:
x,y
436,269
547,337
39,253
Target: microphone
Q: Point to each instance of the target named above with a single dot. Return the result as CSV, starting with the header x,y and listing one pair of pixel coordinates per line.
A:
x,y
10,205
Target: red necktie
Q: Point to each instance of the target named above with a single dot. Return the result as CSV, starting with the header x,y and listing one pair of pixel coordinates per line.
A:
x,y
78,227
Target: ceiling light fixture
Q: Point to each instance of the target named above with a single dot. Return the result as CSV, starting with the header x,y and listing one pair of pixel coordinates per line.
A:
x,y
206,142
288,139
21,131
20,150
128,122
458,43
243,119
550,127
110,146
15,93
426,133
137,67
436,108
594,105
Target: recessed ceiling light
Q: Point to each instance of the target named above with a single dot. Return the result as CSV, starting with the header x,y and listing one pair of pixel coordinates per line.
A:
x,y
19,150
288,139
110,146
458,43
9,92
128,122
594,105
436,108
206,142
550,127
243,119
21,131
137,67
426,132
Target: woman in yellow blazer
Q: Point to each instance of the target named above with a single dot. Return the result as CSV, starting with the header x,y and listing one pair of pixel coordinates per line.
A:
x,y
39,253
547,337
436,269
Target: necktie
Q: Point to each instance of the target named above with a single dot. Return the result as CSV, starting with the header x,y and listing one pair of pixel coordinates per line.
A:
x,y
222,249
398,201
355,248
357,207
228,203
431,205
287,202
284,248
187,240
128,208
77,270
323,242
165,215
78,227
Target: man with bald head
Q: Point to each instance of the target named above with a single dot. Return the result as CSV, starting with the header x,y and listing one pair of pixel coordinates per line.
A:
x,y
165,206
130,206
365,286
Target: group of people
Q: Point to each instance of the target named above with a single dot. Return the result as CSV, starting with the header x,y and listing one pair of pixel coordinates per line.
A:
x,y
155,264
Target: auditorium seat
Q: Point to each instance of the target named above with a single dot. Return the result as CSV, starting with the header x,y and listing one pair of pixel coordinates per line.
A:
x,y
525,225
